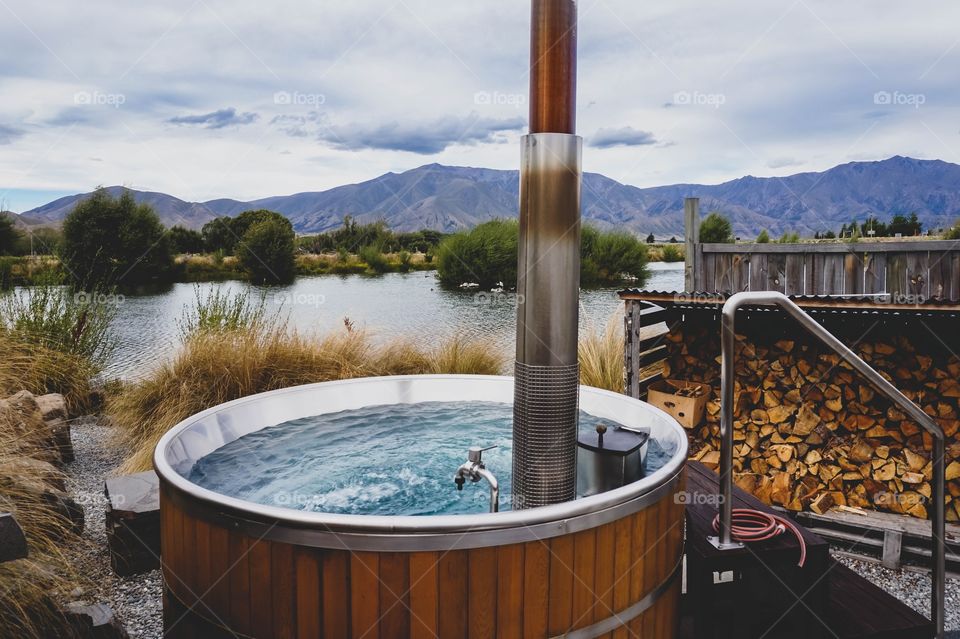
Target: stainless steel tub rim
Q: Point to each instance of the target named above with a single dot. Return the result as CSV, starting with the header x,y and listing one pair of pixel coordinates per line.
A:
x,y
215,427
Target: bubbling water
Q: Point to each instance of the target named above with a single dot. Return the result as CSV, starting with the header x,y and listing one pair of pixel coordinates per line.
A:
x,y
394,459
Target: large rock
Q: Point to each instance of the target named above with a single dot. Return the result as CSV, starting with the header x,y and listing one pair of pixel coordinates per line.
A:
x,y
13,543
133,522
26,469
20,416
52,406
95,621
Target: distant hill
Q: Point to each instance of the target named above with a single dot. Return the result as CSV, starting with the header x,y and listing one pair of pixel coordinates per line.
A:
x,y
450,198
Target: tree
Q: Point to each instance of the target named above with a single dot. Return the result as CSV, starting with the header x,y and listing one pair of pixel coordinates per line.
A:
x,y
716,229
9,235
218,236
874,224
110,241
184,240
764,237
651,239
266,250
904,225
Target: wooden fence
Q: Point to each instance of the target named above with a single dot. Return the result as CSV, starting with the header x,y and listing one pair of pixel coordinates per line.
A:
x,y
908,271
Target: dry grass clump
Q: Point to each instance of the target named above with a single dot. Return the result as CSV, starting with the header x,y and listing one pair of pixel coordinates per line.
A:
x,y
31,588
601,356
29,366
216,366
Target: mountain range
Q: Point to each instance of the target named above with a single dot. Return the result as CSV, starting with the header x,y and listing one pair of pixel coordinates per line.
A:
x,y
451,198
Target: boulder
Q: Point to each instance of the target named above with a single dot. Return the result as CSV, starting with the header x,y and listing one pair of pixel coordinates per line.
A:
x,y
18,470
13,543
62,442
133,522
52,406
95,621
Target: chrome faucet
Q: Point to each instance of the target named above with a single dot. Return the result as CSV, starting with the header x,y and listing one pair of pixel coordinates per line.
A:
x,y
475,470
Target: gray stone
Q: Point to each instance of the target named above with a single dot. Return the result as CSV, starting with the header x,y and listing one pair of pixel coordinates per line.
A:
x,y
61,439
52,406
95,621
13,543
133,522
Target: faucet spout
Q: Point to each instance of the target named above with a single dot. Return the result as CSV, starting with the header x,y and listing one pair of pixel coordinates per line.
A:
x,y
474,469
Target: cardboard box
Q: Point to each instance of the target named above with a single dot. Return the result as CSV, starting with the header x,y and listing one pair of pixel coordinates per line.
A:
x,y
686,410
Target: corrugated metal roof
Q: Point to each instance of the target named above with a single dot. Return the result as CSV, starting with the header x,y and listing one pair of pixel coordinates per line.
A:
x,y
865,304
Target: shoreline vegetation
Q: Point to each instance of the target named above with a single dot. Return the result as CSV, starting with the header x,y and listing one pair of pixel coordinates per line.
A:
x,y
109,243
233,346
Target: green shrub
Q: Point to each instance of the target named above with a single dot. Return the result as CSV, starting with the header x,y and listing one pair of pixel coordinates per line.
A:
x,y
404,257
375,259
57,319
266,251
485,255
221,310
611,257
789,238
671,253
716,229
764,237
110,242
953,233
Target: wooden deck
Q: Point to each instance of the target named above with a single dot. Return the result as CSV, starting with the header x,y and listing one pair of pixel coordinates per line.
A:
x,y
760,590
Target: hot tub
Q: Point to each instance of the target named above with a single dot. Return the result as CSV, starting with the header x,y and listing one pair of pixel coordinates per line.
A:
x,y
581,569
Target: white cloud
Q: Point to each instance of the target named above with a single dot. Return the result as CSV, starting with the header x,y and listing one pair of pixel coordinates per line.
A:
x,y
387,86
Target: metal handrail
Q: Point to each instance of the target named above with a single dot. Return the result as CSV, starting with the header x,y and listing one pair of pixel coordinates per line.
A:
x,y
727,338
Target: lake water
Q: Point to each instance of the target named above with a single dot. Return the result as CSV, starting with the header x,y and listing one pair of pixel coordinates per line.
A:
x,y
409,305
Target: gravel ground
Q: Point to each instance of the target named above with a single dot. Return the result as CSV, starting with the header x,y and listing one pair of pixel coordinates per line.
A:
x,y
910,587
135,600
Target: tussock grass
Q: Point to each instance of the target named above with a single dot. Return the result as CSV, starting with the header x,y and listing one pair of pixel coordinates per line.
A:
x,y
237,350
31,588
54,341
41,370
601,356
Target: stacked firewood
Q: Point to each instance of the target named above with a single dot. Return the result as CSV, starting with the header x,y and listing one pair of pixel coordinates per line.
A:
x,y
812,434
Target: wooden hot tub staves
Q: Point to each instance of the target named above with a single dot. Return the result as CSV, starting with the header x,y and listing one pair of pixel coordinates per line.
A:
x,y
222,582
600,566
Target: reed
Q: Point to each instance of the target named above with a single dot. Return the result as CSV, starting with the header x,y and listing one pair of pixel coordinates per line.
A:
x,y
32,588
600,355
239,358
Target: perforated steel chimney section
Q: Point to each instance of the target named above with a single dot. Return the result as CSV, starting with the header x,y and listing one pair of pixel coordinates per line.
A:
x,y
548,273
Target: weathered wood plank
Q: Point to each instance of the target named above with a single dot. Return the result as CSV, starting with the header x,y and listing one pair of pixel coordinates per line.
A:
x,y
424,597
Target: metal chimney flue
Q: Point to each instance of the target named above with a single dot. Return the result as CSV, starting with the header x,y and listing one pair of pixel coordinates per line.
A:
x,y
548,273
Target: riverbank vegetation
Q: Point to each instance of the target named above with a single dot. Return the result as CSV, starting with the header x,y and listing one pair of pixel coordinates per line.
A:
x,y
232,348
487,257
32,589
54,341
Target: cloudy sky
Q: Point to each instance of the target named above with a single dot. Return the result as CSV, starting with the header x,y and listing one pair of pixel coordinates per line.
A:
x,y
214,98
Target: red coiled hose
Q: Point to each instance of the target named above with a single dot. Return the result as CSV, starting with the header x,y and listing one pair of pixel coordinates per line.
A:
x,y
754,525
